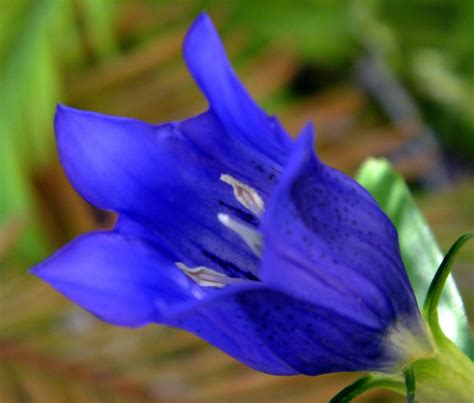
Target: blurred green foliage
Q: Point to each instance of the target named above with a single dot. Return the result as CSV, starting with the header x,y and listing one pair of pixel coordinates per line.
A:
x,y
429,43
37,38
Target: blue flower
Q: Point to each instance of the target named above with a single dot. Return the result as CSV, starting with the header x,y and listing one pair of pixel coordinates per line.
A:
x,y
233,231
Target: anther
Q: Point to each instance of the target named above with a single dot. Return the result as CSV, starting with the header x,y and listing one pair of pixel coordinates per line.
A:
x,y
206,277
245,195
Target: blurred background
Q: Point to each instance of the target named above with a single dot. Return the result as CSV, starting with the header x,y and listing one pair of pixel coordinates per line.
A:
x,y
378,78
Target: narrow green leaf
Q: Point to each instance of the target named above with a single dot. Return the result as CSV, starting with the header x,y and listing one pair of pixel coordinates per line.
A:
x,y
430,308
420,251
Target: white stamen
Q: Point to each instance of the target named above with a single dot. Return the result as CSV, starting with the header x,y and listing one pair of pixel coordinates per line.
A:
x,y
252,237
245,195
206,277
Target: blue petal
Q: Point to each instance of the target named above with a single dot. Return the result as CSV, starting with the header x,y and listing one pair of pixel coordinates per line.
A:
x,y
273,332
121,280
167,178
314,339
207,60
328,242
222,320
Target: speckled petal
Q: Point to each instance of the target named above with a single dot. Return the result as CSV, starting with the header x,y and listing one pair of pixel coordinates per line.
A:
x,y
328,241
273,332
223,320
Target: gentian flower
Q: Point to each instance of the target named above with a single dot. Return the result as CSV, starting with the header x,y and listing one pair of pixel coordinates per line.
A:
x,y
233,231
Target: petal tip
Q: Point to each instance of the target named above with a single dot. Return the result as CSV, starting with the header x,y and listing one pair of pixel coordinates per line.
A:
x,y
62,111
63,115
202,23
45,270
202,16
35,271
305,139
201,38
59,113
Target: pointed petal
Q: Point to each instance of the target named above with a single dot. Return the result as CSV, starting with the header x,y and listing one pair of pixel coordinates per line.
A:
x,y
167,178
207,60
121,280
222,321
314,339
326,234
101,155
273,332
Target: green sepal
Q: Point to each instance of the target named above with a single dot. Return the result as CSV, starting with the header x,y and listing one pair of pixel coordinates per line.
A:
x,y
433,296
364,384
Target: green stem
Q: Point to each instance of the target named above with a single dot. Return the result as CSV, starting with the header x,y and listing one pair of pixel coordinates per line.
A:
x,y
363,384
430,308
410,384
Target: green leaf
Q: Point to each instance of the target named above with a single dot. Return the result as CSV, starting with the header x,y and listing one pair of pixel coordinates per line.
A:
x,y
420,251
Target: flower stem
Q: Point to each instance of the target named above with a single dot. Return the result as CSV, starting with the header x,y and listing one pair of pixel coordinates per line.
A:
x,y
366,383
410,384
